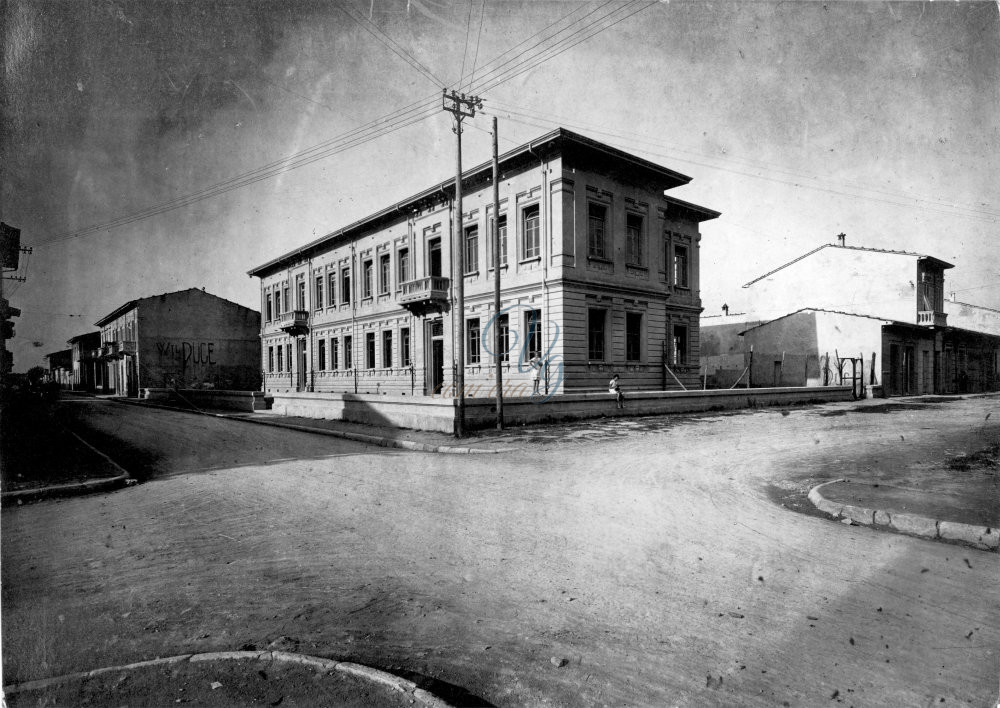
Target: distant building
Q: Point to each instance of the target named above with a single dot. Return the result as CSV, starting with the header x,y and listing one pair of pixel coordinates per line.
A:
x,y
184,339
599,275
59,367
87,368
862,316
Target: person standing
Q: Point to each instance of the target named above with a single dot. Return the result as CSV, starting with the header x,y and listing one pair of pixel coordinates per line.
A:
x,y
615,387
536,371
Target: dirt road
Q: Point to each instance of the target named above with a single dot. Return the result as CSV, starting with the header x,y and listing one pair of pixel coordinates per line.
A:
x,y
653,569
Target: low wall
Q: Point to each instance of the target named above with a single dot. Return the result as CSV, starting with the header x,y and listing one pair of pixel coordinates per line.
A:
x,y
211,398
419,413
481,413
426,413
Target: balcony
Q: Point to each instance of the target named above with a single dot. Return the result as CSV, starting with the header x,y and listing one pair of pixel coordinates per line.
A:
x,y
125,347
931,318
424,294
295,322
109,351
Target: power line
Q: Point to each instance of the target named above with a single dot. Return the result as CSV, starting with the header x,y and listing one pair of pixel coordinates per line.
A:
x,y
392,44
409,115
475,58
949,209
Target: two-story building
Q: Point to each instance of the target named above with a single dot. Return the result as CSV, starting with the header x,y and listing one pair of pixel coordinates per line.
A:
x,y
598,269
873,317
88,370
183,339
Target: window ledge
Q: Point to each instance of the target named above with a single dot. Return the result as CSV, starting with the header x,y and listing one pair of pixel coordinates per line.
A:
x,y
600,259
533,259
472,274
637,266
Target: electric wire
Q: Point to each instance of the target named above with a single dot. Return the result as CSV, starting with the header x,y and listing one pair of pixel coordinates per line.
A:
x,y
415,112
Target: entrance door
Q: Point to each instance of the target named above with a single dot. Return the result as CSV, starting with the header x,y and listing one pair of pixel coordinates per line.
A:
x,y
434,335
300,384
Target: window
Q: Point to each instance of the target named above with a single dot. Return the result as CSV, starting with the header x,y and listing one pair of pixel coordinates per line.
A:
x,y
404,347
472,250
681,266
288,299
529,228
596,334
635,251
288,356
322,355
502,234
387,349
270,359
366,280
597,216
318,303
472,339
633,336
267,309
679,344
331,289
281,366
384,274
277,302
369,350
503,327
334,354
345,287
300,294
533,328
403,264
348,352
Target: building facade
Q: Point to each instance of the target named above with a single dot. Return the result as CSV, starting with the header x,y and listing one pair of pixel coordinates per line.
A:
x,y
88,370
184,339
598,269
59,368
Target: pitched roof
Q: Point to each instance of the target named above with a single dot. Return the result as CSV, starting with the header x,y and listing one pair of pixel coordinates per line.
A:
x,y
922,256
559,138
831,312
131,304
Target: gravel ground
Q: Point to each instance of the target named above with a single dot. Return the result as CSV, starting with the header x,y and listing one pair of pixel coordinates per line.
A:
x,y
654,569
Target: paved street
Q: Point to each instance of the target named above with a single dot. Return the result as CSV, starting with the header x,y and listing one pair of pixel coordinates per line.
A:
x,y
649,567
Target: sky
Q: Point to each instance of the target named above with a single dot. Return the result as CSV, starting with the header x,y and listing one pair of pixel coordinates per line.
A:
x,y
151,146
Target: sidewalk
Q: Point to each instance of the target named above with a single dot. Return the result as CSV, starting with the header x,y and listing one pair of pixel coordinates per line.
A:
x,y
956,500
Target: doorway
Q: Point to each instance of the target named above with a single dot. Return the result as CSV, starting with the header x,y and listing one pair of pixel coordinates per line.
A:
x,y
300,382
434,257
434,335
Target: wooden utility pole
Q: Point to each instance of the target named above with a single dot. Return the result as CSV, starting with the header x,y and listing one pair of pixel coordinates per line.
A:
x,y
461,107
498,355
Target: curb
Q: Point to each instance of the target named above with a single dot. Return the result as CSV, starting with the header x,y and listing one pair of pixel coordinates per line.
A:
x,y
124,479
982,537
378,440
417,695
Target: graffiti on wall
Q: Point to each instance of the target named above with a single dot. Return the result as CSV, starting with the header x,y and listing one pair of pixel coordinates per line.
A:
x,y
187,353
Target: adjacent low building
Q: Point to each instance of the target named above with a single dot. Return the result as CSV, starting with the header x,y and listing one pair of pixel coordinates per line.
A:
x,y
599,275
184,339
859,316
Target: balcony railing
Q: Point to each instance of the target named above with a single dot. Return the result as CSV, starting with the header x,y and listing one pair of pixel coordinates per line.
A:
x,y
929,317
294,321
424,294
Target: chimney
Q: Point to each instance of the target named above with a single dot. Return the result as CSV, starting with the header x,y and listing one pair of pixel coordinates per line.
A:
x,y
953,296
841,239
725,309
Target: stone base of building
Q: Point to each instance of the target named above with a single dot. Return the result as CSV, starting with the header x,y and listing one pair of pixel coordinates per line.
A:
x,y
247,401
439,414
